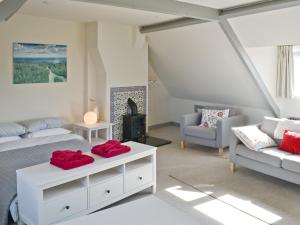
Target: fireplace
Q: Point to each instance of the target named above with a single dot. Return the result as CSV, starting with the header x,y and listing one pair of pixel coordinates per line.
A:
x,y
134,124
119,105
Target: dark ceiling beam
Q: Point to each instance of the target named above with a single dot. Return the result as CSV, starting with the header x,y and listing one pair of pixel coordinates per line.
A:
x,y
171,7
257,7
171,24
9,7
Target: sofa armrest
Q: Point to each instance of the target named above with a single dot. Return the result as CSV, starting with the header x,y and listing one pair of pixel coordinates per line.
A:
x,y
192,119
234,141
224,129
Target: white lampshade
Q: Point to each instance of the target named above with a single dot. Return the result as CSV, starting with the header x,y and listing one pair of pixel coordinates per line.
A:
x,y
90,118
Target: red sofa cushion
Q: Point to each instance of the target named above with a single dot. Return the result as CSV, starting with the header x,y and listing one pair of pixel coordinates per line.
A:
x,y
290,142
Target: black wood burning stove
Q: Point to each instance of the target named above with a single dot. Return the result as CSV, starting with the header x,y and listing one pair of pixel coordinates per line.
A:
x,y
134,124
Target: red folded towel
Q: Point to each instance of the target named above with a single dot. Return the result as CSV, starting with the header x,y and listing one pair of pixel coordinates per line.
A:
x,y
68,159
110,149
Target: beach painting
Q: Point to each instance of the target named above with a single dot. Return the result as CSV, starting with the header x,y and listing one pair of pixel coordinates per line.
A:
x,y
39,63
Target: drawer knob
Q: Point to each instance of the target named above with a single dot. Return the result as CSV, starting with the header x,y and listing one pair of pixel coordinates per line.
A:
x,y
108,191
140,178
67,207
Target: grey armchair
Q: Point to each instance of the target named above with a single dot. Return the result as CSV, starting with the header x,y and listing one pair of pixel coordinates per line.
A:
x,y
218,137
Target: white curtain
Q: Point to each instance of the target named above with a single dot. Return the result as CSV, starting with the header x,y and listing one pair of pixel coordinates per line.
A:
x,y
285,72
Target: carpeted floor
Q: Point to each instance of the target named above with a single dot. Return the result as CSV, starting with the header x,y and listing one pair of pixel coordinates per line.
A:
x,y
198,182
246,194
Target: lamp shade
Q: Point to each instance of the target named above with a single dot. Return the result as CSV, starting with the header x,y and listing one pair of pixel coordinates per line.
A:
x,y
90,118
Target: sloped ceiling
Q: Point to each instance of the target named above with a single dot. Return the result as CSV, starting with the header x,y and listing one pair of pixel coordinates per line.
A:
x,y
198,63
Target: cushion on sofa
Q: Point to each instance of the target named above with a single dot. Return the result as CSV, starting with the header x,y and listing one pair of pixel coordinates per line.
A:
x,y
291,142
269,125
292,163
285,124
271,156
201,132
253,137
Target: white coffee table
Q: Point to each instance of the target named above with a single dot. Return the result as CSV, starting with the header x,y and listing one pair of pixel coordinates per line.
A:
x,y
146,211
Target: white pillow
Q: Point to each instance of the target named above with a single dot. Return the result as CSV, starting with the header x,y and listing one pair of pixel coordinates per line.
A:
x,y
47,132
7,139
211,116
285,124
253,137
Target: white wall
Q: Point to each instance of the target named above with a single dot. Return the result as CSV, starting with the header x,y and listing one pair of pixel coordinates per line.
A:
x,y
159,100
261,33
25,101
126,64
184,106
199,63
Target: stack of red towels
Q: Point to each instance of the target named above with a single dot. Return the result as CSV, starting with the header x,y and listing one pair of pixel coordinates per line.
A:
x,y
68,159
110,148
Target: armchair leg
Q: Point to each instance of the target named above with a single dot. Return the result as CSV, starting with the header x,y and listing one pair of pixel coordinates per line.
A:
x,y
232,167
221,151
182,144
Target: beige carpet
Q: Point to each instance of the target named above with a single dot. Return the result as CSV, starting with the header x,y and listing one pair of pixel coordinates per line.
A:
x,y
213,177
268,199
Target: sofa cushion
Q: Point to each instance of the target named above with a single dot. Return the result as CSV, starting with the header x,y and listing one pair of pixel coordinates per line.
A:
x,y
271,156
253,137
201,132
290,142
292,163
269,125
284,125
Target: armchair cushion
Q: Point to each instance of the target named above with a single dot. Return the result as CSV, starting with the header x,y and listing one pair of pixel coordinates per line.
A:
x,y
200,132
211,116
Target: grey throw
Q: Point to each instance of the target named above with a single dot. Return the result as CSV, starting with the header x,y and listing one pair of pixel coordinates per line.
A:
x,y
10,161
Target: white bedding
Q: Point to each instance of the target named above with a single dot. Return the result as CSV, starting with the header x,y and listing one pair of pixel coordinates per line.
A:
x,y
31,142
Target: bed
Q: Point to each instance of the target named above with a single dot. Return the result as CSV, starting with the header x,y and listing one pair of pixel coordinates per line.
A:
x,y
24,153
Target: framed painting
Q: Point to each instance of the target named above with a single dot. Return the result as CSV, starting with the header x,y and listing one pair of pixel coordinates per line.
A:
x,y
39,63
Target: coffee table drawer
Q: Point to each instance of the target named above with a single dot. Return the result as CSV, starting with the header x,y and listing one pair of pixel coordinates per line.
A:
x,y
62,207
105,191
138,177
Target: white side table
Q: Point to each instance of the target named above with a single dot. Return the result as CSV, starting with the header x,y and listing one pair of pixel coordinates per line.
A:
x,y
82,128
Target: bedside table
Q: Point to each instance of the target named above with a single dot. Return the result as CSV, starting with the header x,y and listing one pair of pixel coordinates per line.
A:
x,y
91,132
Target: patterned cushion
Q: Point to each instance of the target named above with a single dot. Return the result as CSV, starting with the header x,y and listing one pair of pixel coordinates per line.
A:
x,y
211,116
253,137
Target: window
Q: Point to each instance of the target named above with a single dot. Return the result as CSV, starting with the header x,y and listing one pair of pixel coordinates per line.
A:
x,y
297,71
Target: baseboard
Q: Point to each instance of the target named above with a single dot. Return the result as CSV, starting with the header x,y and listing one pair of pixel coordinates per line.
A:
x,y
163,125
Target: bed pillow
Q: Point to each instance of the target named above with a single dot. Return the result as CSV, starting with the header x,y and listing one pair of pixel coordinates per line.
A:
x,y
55,122
8,139
290,142
253,137
11,129
285,124
34,125
47,133
211,116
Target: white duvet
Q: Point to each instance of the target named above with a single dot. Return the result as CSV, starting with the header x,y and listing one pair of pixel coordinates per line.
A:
x,y
27,143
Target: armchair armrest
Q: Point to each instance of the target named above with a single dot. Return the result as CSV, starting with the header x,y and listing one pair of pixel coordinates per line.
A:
x,y
224,129
192,119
